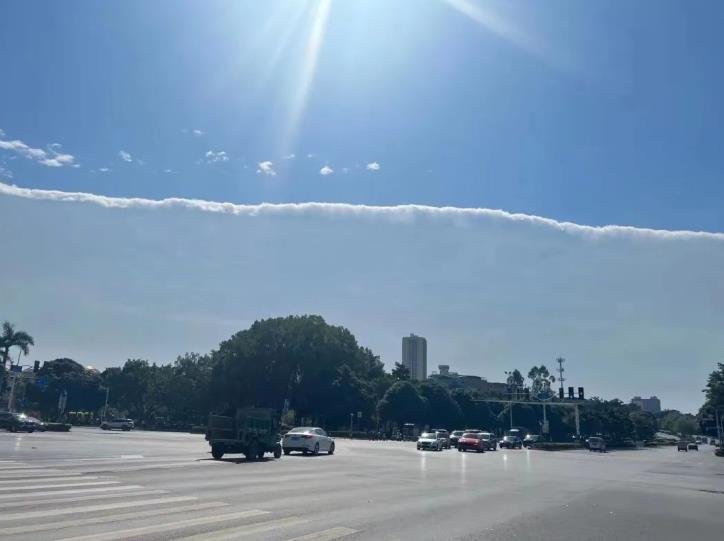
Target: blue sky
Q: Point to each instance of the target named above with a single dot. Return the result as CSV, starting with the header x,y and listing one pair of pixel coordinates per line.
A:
x,y
594,113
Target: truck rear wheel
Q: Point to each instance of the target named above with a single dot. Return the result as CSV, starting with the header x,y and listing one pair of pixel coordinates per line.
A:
x,y
278,451
251,451
217,451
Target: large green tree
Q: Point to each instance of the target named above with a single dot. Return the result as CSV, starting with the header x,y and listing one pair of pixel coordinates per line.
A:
x,y
443,411
11,338
402,403
540,380
298,358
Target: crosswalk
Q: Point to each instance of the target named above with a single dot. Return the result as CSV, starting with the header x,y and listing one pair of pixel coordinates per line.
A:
x,y
83,500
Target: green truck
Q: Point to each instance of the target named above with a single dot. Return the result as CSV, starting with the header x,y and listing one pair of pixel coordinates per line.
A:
x,y
251,432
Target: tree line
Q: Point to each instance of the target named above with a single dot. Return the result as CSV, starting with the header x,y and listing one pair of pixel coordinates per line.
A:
x,y
317,373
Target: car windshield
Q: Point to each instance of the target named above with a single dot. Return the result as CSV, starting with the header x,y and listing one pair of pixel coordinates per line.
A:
x,y
252,253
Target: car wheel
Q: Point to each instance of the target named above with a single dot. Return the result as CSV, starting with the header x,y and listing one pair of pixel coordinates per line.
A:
x,y
278,451
217,451
331,449
316,449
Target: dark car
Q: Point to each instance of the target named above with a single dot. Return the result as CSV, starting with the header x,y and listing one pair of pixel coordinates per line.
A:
x,y
39,425
16,422
511,442
472,441
455,435
531,439
490,440
693,446
682,446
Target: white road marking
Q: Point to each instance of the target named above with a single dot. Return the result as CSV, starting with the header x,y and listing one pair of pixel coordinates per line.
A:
x,y
326,535
48,479
93,508
34,473
248,529
156,528
16,530
31,495
74,499
65,485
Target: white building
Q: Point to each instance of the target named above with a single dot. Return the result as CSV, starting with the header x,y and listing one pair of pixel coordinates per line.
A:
x,y
414,356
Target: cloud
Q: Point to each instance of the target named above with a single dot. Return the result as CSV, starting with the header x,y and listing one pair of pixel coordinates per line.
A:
x,y
167,171
326,170
290,156
5,172
125,156
373,166
103,170
310,155
267,168
215,157
395,213
53,157
197,132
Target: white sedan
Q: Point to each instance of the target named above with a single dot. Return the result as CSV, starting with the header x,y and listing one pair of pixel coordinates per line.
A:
x,y
307,440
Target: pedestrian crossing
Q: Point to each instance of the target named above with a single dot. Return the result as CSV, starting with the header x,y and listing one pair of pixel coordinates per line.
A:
x,y
71,500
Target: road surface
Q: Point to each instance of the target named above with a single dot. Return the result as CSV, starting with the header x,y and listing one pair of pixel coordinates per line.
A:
x,y
93,485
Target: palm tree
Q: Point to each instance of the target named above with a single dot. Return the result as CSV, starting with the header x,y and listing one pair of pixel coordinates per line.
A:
x,y
11,338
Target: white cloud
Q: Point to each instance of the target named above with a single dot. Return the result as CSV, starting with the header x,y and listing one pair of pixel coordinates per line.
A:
x,y
167,171
345,170
215,157
125,156
197,132
373,166
290,156
395,213
53,157
326,170
2,132
5,172
310,155
103,170
267,168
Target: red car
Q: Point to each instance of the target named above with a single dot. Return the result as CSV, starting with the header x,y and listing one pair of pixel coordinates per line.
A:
x,y
472,441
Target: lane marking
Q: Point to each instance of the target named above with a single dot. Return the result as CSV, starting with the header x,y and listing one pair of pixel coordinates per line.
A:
x,y
35,473
74,499
110,518
93,508
49,479
65,485
156,528
248,529
31,495
326,535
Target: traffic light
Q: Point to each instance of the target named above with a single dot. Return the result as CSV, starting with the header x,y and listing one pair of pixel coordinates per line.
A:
x,y
580,393
560,393
570,392
36,366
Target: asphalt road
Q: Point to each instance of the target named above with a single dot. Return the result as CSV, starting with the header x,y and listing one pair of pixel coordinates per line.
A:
x,y
100,486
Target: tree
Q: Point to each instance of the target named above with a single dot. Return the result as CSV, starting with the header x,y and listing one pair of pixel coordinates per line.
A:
x,y
515,379
443,411
10,338
402,403
400,372
296,358
644,424
474,414
541,380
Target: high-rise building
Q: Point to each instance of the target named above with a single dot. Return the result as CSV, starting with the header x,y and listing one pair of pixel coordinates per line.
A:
x,y
414,356
651,405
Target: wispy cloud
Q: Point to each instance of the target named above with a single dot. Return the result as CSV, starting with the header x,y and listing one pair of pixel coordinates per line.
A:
x,y
266,168
103,170
167,171
215,157
310,155
399,212
290,156
197,132
125,156
5,172
53,157
326,170
373,166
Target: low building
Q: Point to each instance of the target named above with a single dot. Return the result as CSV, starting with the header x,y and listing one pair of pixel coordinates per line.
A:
x,y
453,380
650,405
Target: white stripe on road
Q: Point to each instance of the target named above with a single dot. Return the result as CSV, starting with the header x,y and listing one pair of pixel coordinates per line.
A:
x,y
93,508
31,495
156,528
16,530
65,485
48,479
326,535
35,473
75,499
113,469
248,529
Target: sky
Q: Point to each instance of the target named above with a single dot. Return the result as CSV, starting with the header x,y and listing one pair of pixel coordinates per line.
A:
x,y
595,128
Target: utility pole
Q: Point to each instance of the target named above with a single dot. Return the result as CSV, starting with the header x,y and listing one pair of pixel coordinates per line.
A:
x,y
561,379
511,415
351,420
